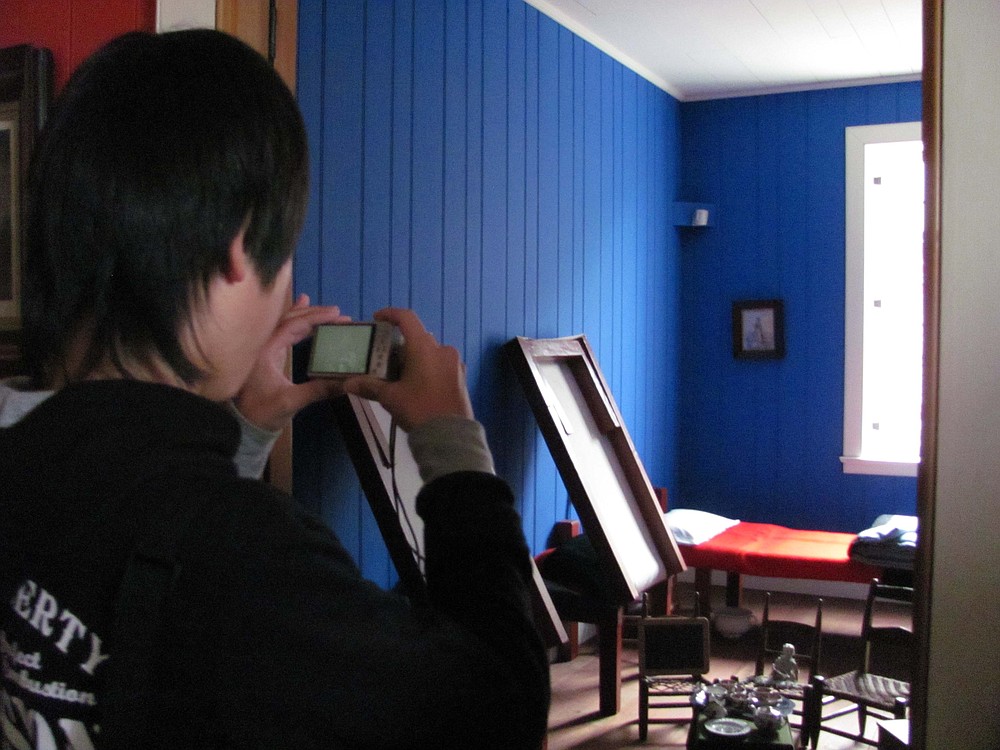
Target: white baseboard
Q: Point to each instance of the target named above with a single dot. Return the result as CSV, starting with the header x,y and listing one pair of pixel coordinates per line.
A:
x,y
839,589
833,589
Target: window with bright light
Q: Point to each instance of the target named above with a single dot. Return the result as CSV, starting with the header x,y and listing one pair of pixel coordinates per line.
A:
x,y
884,320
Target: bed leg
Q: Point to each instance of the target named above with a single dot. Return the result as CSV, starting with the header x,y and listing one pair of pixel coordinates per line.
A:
x,y
703,585
734,589
571,648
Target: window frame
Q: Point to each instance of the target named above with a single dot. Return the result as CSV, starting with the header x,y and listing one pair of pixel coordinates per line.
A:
x,y
856,138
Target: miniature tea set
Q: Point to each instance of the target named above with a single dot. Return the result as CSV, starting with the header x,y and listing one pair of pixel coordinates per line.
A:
x,y
736,707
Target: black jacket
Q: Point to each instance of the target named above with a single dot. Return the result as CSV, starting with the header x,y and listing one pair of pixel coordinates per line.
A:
x,y
266,635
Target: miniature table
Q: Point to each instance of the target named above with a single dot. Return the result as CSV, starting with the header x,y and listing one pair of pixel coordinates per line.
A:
x,y
700,739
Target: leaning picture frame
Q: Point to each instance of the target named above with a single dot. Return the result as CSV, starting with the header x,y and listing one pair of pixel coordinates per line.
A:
x,y
758,329
594,454
390,480
10,215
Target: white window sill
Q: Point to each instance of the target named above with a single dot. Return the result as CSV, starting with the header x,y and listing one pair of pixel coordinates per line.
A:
x,y
858,465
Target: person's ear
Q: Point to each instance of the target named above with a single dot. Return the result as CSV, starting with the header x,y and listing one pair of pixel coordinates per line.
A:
x,y
238,262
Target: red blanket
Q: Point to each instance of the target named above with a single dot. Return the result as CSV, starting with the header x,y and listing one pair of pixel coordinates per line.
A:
x,y
764,549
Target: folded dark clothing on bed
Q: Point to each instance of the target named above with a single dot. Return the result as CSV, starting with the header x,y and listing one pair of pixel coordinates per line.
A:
x,y
890,542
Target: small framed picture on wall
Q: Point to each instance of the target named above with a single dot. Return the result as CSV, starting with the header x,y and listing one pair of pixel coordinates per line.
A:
x,y
759,329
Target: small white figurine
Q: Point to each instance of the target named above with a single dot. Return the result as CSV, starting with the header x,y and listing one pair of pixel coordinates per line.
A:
x,y
785,669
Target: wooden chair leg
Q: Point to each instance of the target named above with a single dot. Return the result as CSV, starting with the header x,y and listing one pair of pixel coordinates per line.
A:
x,y
812,709
643,710
899,706
803,739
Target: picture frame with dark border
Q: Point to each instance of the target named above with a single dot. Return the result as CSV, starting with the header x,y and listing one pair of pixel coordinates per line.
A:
x,y
594,454
759,329
10,215
390,479
25,93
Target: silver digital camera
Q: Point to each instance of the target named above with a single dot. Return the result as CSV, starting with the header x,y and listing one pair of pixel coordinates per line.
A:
x,y
341,350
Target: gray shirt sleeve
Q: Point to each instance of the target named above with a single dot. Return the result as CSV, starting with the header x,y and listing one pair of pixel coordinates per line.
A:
x,y
255,446
449,444
16,400
441,446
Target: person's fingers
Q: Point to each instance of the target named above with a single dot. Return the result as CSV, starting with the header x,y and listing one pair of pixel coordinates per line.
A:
x,y
302,395
407,321
365,386
299,324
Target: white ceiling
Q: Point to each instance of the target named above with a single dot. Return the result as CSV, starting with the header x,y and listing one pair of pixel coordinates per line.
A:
x,y
712,49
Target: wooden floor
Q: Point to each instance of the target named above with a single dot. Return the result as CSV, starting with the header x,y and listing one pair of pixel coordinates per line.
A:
x,y
574,721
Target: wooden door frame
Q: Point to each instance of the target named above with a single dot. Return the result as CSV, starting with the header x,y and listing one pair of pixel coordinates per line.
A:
x,y
927,473
271,28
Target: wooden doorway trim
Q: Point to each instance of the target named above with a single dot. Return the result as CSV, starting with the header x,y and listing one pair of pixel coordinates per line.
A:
x,y
927,473
271,28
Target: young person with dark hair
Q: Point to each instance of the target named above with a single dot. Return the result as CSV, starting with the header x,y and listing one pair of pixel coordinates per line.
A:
x,y
151,595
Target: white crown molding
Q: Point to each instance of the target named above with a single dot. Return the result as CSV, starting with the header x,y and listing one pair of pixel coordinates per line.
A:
x,y
172,15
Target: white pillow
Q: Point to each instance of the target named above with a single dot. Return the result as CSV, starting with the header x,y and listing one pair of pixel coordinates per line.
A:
x,y
691,526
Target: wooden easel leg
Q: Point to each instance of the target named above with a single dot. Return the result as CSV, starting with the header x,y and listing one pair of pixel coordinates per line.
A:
x,y
609,650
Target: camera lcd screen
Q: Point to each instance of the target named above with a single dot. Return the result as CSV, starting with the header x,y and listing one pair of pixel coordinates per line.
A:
x,y
342,349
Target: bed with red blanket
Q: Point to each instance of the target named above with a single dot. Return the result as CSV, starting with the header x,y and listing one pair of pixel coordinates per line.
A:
x,y
709,542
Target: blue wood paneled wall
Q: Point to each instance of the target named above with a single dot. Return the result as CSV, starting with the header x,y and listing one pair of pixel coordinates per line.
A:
x,y
761,441
481,164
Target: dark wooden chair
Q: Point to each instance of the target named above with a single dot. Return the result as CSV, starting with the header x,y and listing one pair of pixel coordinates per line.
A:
x,y
573,584
808,642
574,581
774,634
880,685
673,657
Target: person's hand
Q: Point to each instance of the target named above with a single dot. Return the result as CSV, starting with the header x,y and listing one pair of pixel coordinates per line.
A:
x,y
269,398
432,383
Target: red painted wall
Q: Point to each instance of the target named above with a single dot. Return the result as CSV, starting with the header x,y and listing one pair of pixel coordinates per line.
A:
x,y
72,29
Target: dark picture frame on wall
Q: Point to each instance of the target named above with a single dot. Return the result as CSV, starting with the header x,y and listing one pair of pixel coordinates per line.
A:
x,y
25,94
759,329
10,214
